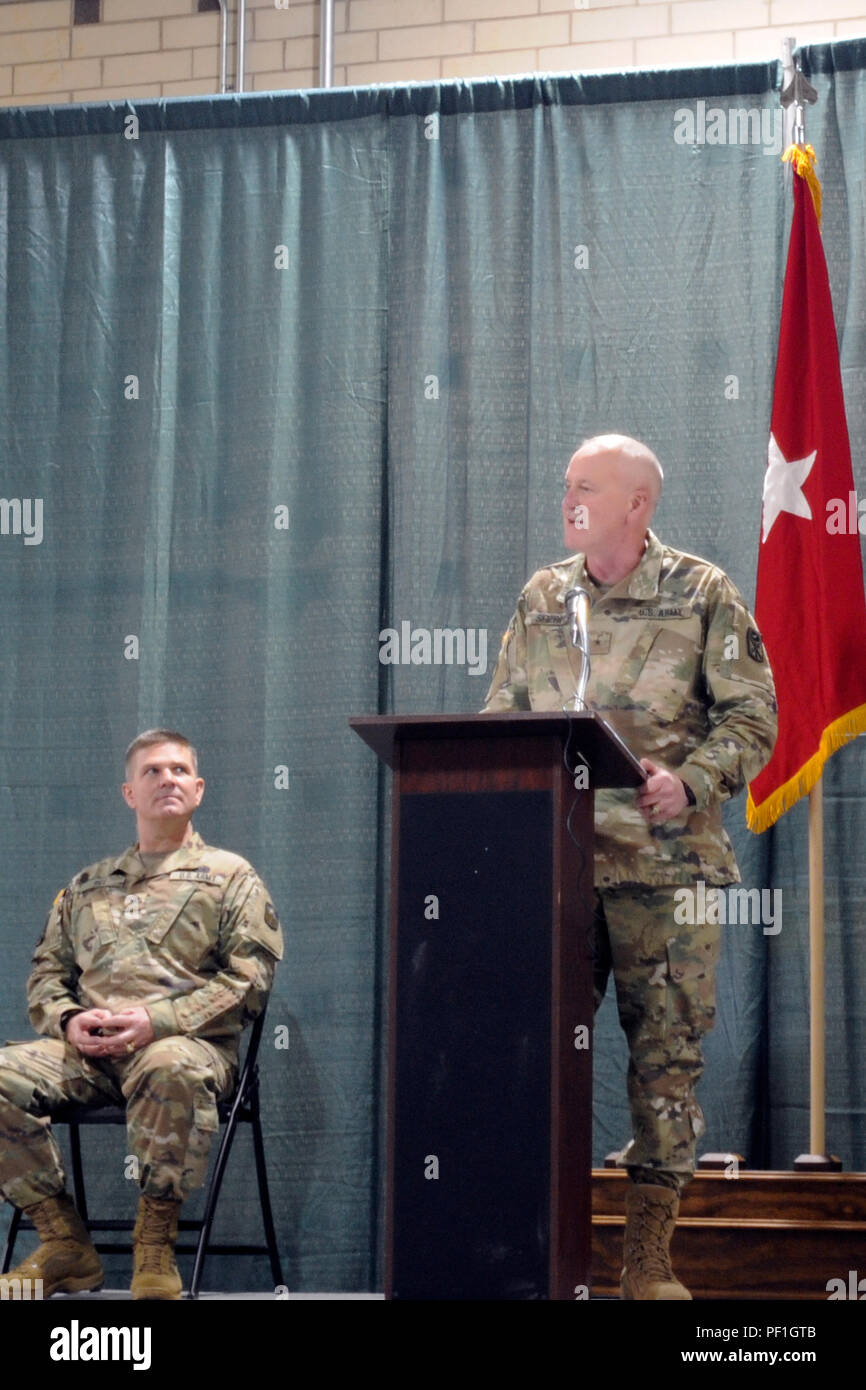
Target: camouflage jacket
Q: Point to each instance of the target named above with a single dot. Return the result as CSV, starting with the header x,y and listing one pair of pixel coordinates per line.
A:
x,y
194,938
680,672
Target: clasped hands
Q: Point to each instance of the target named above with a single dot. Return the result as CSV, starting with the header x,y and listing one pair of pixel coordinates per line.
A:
x,y
101,1033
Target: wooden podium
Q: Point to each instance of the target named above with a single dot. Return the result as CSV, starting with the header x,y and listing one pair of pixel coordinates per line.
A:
x,y
490,1000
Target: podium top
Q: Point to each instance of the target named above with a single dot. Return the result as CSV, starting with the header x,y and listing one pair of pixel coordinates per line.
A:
x,y
598,745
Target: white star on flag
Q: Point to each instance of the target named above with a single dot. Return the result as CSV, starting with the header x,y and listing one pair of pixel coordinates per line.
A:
x,y
783,484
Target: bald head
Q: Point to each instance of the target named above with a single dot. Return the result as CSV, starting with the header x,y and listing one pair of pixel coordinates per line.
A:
x,y
613,484
633,462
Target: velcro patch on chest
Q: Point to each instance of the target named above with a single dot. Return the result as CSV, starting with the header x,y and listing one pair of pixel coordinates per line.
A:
x,y
197,876
546,619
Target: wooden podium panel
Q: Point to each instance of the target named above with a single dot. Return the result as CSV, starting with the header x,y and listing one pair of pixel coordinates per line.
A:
x,y
490,1001
471,1119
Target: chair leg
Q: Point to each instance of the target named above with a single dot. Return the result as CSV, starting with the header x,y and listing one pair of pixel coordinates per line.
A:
x,y
11,1237
77,1170
264,1194
216,1183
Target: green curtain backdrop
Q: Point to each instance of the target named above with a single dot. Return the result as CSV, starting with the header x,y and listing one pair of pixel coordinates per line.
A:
x,y
286,371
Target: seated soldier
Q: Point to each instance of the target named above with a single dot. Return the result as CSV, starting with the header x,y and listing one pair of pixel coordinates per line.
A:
x,y
150,965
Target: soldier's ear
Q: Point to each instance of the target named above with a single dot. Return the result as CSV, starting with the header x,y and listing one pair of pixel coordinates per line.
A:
x,y
199,790
128,795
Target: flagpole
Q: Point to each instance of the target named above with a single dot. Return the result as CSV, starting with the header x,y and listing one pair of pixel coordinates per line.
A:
x,y
817,1071
796,92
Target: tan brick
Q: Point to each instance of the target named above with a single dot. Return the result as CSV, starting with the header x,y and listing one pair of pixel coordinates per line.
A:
x,y
38,99
198,86
569,7
410,70
148,67
117,11
389,14
693,16
298,80
297,21
491,64
803,11
264,57
850,26
5,81
758,45
684,50
299,53
198,31
93,40
295,11
355,48
206,61
425,41
43,46
520,33
625,22
55,77
118,93
493,9
588,57
47,14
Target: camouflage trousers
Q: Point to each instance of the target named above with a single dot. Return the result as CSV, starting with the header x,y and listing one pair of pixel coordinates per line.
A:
x,y
170,1089
665,991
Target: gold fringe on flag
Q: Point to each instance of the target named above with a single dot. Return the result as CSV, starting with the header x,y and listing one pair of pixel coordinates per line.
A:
x,y
835,736
804,159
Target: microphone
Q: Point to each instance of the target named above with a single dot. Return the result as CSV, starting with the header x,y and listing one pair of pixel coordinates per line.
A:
x,y
577,603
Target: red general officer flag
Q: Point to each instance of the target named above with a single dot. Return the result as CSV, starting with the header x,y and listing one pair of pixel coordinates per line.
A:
x,y
810,604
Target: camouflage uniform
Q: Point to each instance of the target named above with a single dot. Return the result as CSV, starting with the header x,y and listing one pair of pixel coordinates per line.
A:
x,y
679,671
191,936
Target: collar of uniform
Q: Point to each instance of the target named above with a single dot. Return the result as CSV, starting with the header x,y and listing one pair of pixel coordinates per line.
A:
x,y
642,581
131,863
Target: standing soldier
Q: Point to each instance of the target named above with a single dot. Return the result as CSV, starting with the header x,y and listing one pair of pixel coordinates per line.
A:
x,y
149,967
679,671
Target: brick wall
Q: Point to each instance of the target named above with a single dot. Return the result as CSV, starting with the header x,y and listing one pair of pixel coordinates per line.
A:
x,y
150,48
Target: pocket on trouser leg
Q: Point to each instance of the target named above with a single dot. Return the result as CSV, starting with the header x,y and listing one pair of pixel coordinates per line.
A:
x,y
205,1123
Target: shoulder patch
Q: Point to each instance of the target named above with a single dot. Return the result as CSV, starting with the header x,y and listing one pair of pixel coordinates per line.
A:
x,y
755,645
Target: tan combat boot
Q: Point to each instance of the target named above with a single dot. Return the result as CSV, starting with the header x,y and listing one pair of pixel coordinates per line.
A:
x,y
155,1273
66,1261
650,1217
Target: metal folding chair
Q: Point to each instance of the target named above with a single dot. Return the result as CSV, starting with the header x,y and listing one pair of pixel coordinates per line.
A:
x,y
243,1108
